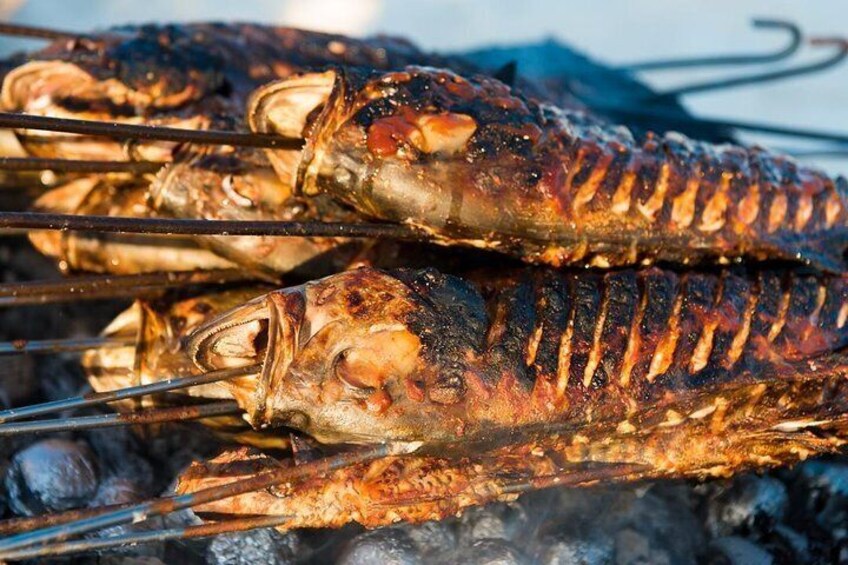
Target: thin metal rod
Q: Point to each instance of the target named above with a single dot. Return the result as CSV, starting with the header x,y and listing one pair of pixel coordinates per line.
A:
x,y
652,117
33,32
172,226
144,416
794,36
134,538
809,68
572,477
825,152
117,130
603,473
64,345
78,165
97,398
27,523
111,286
157,507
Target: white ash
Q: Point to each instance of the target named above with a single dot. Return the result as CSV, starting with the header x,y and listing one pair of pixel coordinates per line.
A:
x,y
734,550
750,504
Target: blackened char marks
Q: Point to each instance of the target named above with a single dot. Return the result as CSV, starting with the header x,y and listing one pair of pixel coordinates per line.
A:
x,y
834,312
621,296
168,57
451,320
815,320
672,362
552,313
731,323
612,179
791,188
612,341
586,300
806,297
772,291
660,289
511,332
677,153
648,162
586,165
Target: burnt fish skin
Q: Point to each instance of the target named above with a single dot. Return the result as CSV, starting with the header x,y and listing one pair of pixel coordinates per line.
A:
x,y
371,355
473,161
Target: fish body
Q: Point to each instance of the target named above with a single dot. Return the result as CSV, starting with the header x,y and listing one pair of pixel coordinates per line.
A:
x,y
472,161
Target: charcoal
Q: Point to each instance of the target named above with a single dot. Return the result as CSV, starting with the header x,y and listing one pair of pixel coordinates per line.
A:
x,y
390,546
3,505
154,550
117,490
484,552
431,537
590,550
840,552
129,560
172,448
118,454
17,381
735,550
185,551
749,504
790,546
256,546
820,495
51,475
59,378
494,521
642,521
634,548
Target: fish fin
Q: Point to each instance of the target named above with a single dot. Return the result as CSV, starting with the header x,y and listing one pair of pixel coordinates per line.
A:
x,y
507,73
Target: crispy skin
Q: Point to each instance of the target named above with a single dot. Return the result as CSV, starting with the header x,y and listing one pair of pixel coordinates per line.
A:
x,y
371,355
190,61
578,347
770,389
741,428
162,67
472,160
190,76
193,76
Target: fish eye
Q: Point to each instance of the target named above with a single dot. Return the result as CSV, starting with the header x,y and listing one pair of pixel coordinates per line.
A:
x,y
346,370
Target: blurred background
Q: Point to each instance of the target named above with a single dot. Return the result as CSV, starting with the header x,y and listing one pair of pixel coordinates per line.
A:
x,y
614,32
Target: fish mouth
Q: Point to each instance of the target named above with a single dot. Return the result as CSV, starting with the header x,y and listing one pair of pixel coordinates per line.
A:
x,y
242,337
293,108
66,90
263,332
71,88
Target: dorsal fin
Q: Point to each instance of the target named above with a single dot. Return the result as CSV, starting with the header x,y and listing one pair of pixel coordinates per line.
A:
x,y
507,73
